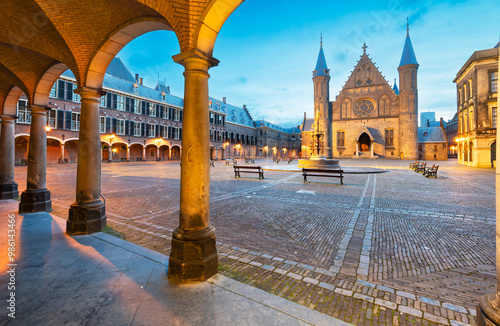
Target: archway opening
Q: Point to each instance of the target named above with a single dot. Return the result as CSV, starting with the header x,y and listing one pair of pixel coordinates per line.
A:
x,y
364,142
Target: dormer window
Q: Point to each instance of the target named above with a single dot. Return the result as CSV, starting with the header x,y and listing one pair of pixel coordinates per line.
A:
x,y
426,134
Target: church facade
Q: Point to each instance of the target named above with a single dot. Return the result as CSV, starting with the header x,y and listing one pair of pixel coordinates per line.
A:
x,y
369,118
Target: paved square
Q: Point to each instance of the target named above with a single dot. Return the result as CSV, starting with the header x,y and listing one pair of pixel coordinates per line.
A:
x,y
391,248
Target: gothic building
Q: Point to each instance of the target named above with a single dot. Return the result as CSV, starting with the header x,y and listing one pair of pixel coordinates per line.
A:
x,y
369,118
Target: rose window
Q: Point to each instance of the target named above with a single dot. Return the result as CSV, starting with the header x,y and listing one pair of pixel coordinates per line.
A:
x,y
364,108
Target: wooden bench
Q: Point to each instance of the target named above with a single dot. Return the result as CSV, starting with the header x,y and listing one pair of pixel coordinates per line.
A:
x,y
322,173
413,165
249,160
431,171
248,169
421,167
230,161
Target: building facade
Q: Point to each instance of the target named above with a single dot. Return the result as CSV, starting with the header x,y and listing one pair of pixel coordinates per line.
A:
x,y
369,117
139,123
451,136
477,92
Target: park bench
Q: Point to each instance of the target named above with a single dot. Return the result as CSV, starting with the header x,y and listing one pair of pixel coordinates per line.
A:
x,y
414,165
230,161
431,171
212,164
421,167
322,173
248,169
249,160
276,159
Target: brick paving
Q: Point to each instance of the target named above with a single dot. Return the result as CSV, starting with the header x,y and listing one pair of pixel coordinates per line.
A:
x,y
392,248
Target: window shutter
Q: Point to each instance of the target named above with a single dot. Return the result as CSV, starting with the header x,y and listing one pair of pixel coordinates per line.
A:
x,y
147,129
60,89
180,115
144,107
180,133
108,125
68,120
115,101
143,129
126,128
170,132
158,131
169,114
69,92
113,125
158,110
60,119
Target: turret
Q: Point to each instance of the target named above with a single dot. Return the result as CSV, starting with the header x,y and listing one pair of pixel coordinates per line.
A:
x,y
408,97
322,111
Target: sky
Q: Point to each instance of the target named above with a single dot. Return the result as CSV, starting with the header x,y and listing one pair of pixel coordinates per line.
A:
x,y
268,50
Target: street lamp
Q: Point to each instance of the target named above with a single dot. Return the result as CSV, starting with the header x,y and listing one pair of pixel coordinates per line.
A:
x,y
48,128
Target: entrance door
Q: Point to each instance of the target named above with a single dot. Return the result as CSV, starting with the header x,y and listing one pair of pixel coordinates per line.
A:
x,y
364,142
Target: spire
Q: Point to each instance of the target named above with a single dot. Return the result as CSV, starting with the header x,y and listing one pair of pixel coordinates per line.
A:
x,y
321,68
408,56
364,48
395,87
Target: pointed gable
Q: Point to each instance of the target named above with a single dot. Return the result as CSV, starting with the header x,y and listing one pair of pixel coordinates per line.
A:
x,y
365,74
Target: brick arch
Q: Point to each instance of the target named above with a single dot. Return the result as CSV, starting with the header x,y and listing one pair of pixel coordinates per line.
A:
x,y
214,16
10,103
42,91
8,80
119,38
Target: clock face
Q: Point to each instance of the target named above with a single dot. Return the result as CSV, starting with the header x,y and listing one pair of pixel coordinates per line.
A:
x,y
363,108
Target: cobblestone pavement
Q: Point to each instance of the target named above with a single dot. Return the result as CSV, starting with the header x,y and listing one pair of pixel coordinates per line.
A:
x,y
392,248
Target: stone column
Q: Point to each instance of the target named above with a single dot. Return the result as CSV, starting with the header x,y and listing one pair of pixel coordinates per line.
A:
x,y
170,153
36,198
488,309
144,153
158,153
62,152
194,256
357,149
110,152
128,153
371,149
8,187
88,214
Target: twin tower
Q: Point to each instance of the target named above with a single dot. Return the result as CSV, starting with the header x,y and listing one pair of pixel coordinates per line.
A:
x,y
369,118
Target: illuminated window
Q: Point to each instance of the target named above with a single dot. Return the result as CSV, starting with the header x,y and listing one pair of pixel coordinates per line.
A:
x,y
75,121
120,127
52,118
151,130
24,115
102,124
137,129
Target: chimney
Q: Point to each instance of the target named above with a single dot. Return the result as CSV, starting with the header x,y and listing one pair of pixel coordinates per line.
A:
x,y
168,89
224,100
244,106
140,81
137,77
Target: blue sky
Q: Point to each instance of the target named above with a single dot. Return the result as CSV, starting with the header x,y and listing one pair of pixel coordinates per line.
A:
x,y
268,50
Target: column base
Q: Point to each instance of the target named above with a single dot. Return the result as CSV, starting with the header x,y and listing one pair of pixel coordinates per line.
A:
x,y
8,190
488,310
33,201
192,261
86,219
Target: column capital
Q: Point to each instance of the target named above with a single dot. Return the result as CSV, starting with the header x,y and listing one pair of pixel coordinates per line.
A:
x,y
195,59
38,109
8,118
89,92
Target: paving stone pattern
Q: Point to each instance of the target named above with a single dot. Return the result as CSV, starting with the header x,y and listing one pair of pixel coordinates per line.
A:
x,y
392,248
